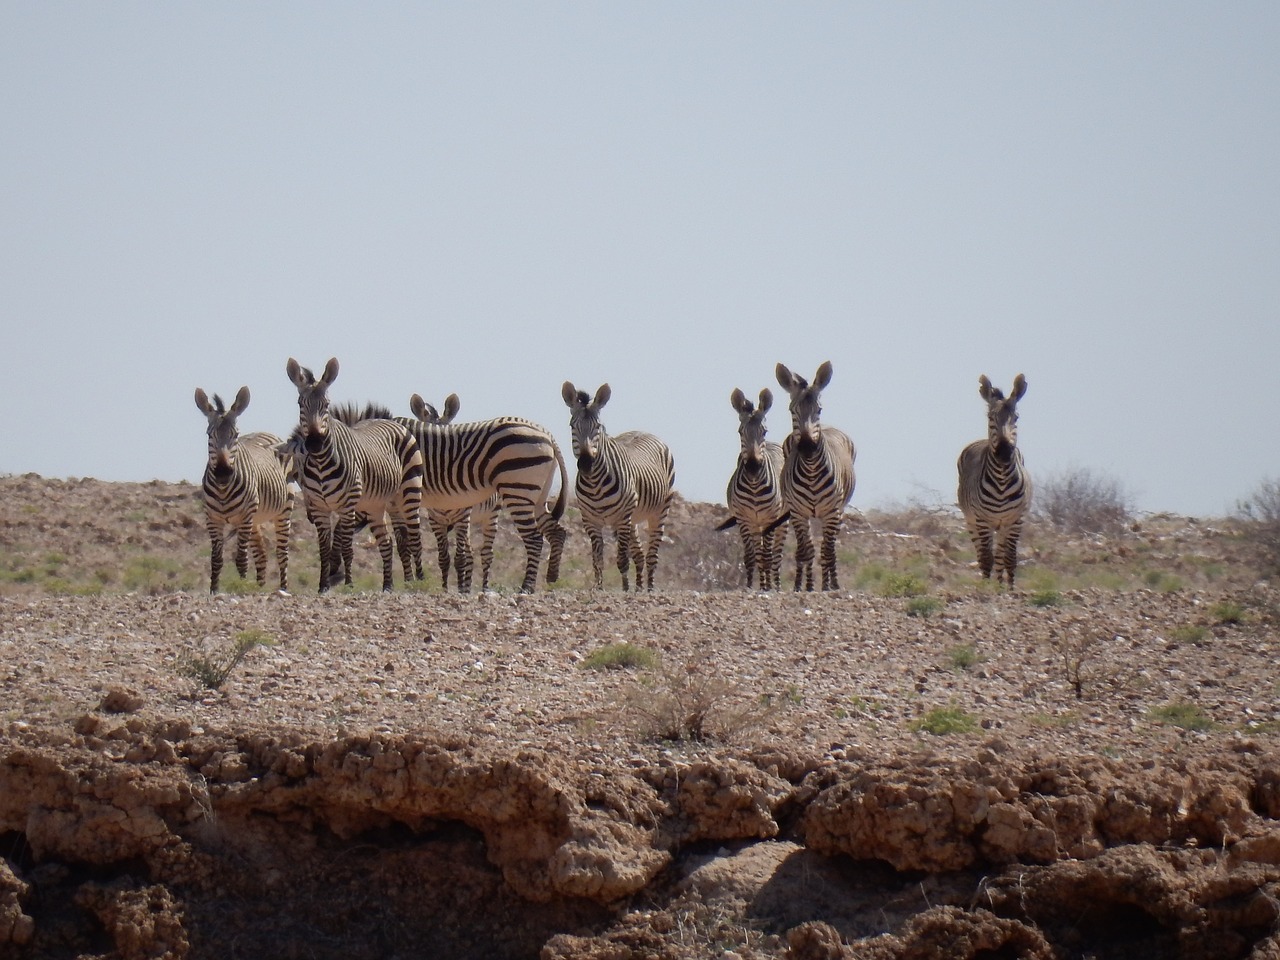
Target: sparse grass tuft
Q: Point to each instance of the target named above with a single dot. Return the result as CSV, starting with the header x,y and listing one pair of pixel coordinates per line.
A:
x,y
902,585
1184,715
212,672
1228,611
944,721
620,656
963,656
1190,633
923,606
1045,598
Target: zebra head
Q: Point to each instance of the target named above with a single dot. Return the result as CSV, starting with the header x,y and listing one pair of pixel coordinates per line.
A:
x,y
223,432
429,414
584,421
751,423
806,402
1002,413
313,400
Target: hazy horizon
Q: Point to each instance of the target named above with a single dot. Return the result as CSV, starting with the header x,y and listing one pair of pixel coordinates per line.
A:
x,y
671,198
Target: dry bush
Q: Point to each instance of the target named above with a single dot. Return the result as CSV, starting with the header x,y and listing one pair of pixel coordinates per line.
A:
x,y
1260,522
1081,501
693,700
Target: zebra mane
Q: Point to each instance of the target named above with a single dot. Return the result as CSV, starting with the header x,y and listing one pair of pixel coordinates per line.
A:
x,y
351,414
217,405
584,398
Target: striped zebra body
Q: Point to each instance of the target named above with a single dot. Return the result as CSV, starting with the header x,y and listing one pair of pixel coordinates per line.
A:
x,y
622,481
458,523
995,489
246,489
817,476
468,465
352,474
754,494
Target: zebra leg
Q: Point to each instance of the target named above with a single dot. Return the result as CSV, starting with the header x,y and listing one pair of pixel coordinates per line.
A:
x,y
462,560
766,560
283,529
344,544
555,535
486,554
829,531
651,554
405,549
378,527
215,559
328,557
258,540
626,537
1009,551
242,552
597,555
441,533
804,553
981,534
749,558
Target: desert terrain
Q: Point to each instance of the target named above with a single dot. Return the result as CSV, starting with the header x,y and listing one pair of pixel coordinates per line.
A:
x,y
916,765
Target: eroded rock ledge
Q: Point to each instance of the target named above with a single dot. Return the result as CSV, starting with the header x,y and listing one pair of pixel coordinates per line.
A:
x,y
129,838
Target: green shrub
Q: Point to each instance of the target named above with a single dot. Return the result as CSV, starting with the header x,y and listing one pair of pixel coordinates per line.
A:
x,y
923,606
1190,633
902,585
1045,598
212,672
620,656
1228,611
963,656
943,721
1184,715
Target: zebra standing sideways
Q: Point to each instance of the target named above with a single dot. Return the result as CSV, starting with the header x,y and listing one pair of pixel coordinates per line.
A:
x,y
351,474
817,474
755,493
443,523
995,488
246,488
622,481
464,464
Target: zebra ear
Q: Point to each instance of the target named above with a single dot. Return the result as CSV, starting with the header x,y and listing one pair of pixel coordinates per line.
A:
x,y
766,400
570,393
330,371
301,377
602,396
823,376
242,401
984,387
419,407
202,402
451,407
1019,386
786,379
738,400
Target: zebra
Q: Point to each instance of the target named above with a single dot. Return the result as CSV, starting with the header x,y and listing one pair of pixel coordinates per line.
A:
x,y
352,474
622,481
754,494
995,488
443,523
464,464
246,488
817,474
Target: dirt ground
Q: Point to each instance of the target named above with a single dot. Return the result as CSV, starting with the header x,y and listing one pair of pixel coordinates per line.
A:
x,y
917,765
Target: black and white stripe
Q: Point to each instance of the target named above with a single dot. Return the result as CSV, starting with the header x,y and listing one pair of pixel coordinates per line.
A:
x,y
458,523
754,494
466,464
246,489
817,474
351,474
622,481
995,488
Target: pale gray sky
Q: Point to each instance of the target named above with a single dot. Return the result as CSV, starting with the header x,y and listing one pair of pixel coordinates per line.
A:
x,y
492,198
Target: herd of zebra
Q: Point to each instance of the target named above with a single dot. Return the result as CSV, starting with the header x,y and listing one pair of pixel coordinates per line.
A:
x,y
365,467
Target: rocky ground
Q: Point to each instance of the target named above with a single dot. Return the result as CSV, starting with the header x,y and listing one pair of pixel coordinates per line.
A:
x,y
917,765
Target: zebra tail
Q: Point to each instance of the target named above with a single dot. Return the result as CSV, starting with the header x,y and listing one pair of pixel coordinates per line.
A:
x,y
779,522
732,521
558,510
